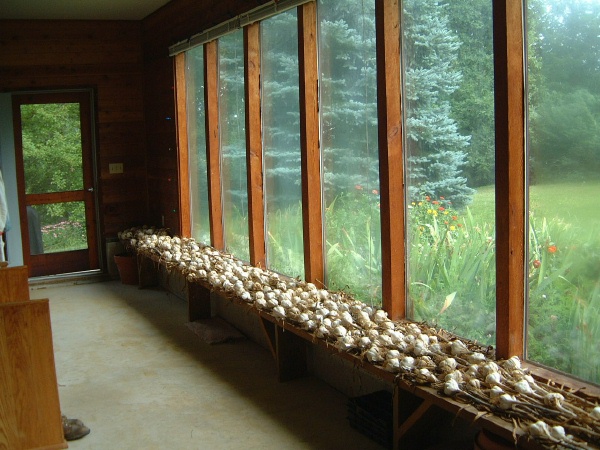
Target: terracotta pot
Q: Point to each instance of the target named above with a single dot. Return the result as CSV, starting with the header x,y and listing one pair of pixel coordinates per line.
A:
x,y
128,270
488,441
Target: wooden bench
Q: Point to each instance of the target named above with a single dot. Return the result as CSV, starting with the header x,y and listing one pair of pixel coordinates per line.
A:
x,y
30,416
413,405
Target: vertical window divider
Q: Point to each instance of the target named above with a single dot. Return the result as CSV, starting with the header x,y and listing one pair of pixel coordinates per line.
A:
x,y
312,210
254,147
390,158
211,97
185,220
509,87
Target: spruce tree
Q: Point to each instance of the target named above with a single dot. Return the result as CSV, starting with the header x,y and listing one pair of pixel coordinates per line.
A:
x,y
435,149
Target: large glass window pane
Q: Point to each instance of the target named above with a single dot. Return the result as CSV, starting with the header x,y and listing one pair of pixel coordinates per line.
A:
x,y
196,127
281,144
564,166
449,144
347,62
233,144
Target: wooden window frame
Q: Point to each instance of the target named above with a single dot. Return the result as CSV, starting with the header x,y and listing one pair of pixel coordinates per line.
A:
x,y
254,145
510,129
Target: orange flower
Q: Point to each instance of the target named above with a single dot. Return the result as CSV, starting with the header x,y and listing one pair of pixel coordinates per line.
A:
x,y
358,187
552,249
454,218
435,202
427,197
375,192
442,198
441,208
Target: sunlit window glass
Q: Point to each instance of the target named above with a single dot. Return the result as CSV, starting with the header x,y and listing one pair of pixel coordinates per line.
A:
x,y
233,144
199,210
281,143
564,162
347,62
448,107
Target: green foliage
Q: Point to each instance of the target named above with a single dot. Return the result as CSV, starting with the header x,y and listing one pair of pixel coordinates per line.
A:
x,y
51,147
285,241
353,245
452,277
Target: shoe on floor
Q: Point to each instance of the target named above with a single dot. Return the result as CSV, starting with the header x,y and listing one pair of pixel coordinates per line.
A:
x,y
74,429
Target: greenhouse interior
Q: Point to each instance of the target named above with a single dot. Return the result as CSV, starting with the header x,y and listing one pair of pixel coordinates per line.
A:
x,y
300,224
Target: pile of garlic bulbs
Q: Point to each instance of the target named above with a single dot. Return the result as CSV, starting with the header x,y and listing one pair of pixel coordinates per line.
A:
x,y
414,351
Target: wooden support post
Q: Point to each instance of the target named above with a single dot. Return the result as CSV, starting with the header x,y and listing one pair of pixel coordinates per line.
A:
x,y
312,214
254,156
199,304
269,330
509,89
393,253
213,143
185,220
291,355
147,272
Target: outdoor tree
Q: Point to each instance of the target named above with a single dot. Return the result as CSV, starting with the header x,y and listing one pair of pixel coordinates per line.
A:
x,y
435,148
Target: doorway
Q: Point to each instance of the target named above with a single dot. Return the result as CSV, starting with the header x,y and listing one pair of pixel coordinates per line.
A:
x,y
54,155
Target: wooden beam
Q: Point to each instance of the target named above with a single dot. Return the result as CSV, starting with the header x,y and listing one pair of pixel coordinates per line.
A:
x,y
312,211
213,151
509,87
391,173
185,219
254,157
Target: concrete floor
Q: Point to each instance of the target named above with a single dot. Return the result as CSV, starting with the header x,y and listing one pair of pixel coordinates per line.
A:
x,y
128,366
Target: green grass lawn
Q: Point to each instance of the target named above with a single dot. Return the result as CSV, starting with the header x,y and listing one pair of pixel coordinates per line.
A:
x,y
572,203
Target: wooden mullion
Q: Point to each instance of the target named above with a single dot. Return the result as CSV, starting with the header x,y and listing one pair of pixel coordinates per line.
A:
x,y
312,213
509,87
387,16
185,220
254,156
213,143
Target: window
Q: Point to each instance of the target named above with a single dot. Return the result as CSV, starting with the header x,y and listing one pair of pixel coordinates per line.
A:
x,y
349,149
564,136
449,145
232,118
451,156
197,145
281,143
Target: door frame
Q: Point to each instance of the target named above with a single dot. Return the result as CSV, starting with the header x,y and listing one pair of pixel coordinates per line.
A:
x,y
86,99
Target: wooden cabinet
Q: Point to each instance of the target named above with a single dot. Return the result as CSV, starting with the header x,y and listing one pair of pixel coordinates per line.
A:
x,y
30,416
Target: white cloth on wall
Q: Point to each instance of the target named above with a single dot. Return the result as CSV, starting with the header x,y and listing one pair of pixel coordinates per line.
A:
x,y
3,215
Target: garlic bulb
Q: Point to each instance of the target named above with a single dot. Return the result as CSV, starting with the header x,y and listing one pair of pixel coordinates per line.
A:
x,y
451,388
523,387
506,401
448,365
540,429
458,347
512,363
373,354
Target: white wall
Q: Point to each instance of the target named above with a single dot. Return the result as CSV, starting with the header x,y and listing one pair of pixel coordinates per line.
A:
x,y
9,173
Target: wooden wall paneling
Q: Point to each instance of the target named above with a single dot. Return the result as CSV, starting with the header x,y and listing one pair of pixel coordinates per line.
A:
x,y
182,145
178,20
254,148
309,140
213,143
106,56
387,16
509,87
